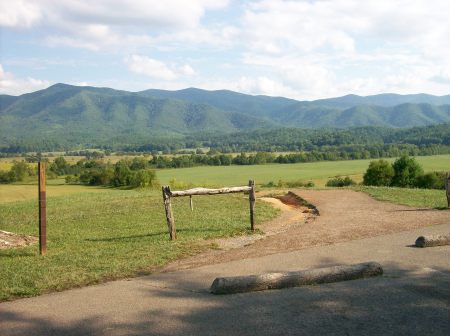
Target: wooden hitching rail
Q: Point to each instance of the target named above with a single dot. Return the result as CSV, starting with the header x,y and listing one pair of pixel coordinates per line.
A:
x,y
168,194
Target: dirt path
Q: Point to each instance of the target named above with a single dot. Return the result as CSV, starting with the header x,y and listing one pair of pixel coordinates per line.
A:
x,y
344,215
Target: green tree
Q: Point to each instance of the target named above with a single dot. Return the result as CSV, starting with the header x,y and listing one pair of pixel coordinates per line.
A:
x,y
379,173
60,166
122,174
143,178
20,170
406,172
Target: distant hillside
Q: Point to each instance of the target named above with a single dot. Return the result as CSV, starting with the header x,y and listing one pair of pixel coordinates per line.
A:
x,y
259,106
89,116
96,115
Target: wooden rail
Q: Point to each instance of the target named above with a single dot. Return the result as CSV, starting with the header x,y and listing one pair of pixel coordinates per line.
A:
x,y
168,194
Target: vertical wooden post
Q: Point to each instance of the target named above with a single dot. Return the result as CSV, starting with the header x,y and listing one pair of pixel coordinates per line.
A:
x,y
169,214
447,189
252,198
42,209
191,203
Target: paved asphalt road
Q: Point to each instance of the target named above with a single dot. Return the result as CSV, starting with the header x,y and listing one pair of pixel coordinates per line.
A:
x,y
411,298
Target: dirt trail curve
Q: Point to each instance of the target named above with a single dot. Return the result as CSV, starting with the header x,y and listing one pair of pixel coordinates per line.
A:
x,y
344,215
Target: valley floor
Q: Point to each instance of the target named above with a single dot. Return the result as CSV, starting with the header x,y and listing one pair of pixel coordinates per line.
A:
x,y
410,298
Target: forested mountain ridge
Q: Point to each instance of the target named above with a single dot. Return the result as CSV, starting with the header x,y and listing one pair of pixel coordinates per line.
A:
x,y
89,116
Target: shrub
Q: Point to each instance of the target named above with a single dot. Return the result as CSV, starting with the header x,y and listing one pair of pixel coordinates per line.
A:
x,y
379,173
340,181
143,178
406,172
433,180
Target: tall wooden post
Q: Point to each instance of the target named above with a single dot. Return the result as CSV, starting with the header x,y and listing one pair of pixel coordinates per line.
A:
x,y
169,214
447,189
252,198
42,209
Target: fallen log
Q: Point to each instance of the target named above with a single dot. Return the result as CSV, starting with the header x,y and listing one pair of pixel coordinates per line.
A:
x,y
241,284
429,241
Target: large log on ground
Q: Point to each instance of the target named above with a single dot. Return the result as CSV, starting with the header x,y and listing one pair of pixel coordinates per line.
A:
x,y
241,284
429,241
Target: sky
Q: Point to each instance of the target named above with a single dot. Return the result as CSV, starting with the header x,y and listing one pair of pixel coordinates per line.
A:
x,y
302,49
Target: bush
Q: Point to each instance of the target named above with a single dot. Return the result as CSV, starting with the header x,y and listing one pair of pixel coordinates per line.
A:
x,y
292,184
340,181
433,180
379,173
406,172
143,178
6,177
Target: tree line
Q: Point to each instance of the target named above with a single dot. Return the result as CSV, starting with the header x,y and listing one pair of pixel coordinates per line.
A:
x,y
436,137
405,172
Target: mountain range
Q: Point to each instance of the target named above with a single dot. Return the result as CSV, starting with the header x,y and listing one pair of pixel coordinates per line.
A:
x,y
91,115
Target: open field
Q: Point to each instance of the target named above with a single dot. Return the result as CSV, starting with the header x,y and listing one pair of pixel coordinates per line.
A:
x,y
93,237
22,192
318,172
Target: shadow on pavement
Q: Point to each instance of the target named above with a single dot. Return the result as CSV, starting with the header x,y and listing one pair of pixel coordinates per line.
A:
x,y
401,302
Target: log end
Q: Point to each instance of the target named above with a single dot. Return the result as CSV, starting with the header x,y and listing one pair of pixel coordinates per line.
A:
x,y
420,241
430,241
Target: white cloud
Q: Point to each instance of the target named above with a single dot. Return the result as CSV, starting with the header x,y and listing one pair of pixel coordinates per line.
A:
x,y
19,13
156,69
97,25
187,70
11,85
326,48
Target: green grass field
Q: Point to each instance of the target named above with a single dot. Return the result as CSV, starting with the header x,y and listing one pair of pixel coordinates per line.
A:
x,y
98,234
422,198
93,237
319,172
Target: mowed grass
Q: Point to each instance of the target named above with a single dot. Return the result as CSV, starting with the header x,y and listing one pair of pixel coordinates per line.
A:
x,y
21,192
422,198
319,172
93,237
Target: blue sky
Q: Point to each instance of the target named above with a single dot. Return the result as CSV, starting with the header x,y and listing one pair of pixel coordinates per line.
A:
x,y
298,49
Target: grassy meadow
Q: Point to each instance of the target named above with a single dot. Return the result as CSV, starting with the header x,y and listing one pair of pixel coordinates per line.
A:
x,y
318,172
93,237
97,234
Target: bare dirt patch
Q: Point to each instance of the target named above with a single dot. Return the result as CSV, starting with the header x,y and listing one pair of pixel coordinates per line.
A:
x,y
294,212
345,215
12,240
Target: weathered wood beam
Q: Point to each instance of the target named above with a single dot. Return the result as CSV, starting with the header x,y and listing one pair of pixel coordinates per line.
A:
x,y
169,213
206,191
447,189
429,241
252,200
241,284
42,209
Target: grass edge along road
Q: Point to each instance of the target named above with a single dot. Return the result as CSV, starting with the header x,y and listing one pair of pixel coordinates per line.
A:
x,y
420,198
95,237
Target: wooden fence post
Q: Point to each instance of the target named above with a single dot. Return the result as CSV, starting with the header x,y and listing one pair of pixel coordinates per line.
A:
x,y
447,189
191,203
169,214
42,209
252,198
